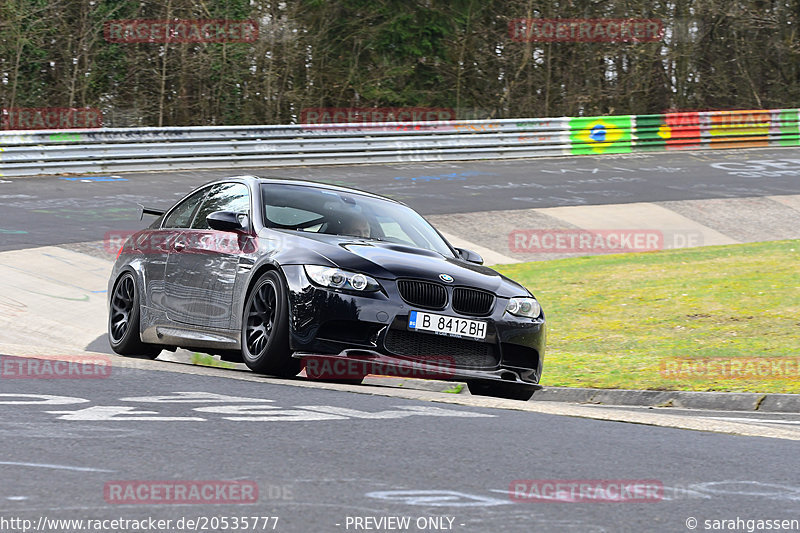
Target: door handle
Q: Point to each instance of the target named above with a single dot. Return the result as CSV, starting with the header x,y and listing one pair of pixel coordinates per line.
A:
x,y
179,245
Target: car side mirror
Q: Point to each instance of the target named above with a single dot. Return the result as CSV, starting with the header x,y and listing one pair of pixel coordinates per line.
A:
x,y
227,221
469,255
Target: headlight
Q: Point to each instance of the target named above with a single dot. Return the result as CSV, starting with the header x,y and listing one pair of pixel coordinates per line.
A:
x,y
336,278
527,307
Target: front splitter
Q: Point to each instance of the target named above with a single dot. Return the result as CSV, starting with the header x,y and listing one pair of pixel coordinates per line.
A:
x,y
354,364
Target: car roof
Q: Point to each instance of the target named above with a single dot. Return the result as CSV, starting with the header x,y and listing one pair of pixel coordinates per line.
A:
x,y
303,183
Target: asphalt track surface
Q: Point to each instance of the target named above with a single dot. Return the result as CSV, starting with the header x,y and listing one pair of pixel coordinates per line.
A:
x,y
68,209
321,455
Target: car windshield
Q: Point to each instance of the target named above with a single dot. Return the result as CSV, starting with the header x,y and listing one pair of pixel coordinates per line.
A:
x,y
318,210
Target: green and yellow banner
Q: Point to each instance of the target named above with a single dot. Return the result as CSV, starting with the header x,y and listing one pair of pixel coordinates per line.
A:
x,y
601,135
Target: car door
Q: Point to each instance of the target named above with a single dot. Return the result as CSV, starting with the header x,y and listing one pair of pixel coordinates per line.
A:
x,y
203,262
157,243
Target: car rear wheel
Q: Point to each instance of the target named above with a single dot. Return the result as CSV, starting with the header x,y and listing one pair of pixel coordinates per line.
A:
x,y
265,328
123,321
510,391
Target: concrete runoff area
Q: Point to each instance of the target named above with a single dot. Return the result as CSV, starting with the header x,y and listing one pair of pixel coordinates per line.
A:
x,y
683,224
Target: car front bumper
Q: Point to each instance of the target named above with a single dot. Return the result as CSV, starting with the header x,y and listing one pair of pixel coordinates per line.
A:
x,y
373,328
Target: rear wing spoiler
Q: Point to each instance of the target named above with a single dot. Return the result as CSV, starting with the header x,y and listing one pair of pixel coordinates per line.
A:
x,y
150,211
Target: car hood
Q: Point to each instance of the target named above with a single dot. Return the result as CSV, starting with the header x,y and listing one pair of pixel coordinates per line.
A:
x,y
386,260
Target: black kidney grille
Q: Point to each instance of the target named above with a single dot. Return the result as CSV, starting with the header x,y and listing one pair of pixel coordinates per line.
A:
x,y
472,301
423,293
465,353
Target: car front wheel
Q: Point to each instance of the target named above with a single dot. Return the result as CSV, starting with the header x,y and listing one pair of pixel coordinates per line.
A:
x,y
265,328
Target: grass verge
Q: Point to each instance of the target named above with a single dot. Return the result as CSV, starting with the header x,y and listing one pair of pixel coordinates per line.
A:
x,y
203,359
721,318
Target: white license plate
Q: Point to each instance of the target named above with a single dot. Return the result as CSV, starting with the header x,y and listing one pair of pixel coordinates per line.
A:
x,y
447,325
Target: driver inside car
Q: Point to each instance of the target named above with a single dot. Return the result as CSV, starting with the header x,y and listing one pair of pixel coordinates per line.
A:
x,y
355,224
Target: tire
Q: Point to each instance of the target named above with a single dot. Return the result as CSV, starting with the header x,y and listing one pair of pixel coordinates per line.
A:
x,y
509,391
123,321
265,328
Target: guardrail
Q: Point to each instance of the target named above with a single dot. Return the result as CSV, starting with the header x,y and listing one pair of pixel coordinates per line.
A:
x,y
25,153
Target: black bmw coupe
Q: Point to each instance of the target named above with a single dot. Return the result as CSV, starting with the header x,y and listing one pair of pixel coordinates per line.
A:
x,y
281,274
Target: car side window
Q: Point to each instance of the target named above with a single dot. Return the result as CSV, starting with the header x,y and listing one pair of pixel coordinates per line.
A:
x,y
181,215
224,197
